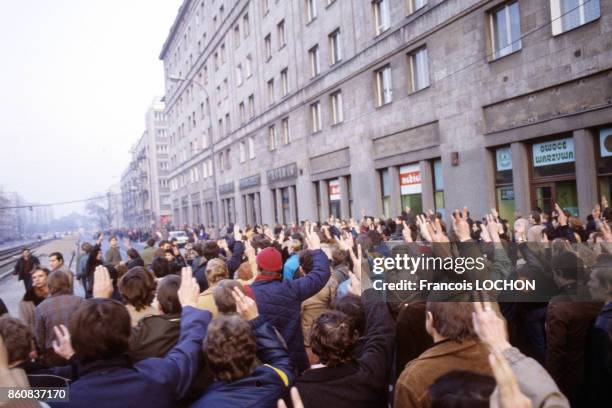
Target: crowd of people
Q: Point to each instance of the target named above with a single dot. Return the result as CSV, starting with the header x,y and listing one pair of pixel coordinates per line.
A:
x,y
289,316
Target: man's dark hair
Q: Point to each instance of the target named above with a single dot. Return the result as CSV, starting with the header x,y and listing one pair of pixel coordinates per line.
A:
x,y
306,261
333,338
537,218
210,250
339,257
351,306
568,266
112,237
461,389
163,242
59,283
198,247
150,242
222,295
133,254
167,295
452,320
260,241
25,249
137,287
17,338
57,255
161,267
100,329
230,347
86,247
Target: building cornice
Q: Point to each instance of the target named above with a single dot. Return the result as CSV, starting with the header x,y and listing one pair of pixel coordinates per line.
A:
x,y
175,26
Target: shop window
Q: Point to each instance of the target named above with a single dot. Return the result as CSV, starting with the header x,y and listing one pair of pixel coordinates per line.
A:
x,y
604,163
334,197
554,175
411,188
504,188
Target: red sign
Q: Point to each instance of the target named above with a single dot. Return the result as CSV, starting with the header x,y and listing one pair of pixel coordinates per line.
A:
x,y
409,179
334,190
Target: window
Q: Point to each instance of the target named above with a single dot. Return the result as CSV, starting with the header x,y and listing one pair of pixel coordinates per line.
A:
x,y
315,117
237,36
225,88
222,53
505,30
243,151
221,161
216,61
419,71
251,147
384,91
286,134
227,124
242,112
248,67
284,76
265,7
504,189
311,10
438,187
414,5
336,107
335,47
315,68
569,14
382,20
251,106
268,46
246,28
239,74
281,34
220,127
228,164
271,91
272,141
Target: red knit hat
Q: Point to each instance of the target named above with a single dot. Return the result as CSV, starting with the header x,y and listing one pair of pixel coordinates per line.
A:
x,y
269,259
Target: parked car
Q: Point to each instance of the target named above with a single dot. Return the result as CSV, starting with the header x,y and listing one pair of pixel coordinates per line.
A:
x,y
181,237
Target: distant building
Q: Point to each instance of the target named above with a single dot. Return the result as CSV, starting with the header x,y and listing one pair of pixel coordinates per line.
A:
x,y
319,107
145,195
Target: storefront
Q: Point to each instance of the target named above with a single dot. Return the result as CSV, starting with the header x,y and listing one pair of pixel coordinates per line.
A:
x,y
251,199
408,178
281,182
504,188
553,175
604,163
228,205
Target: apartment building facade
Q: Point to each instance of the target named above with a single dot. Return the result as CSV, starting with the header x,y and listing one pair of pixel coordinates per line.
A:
x,y
280,111
145,193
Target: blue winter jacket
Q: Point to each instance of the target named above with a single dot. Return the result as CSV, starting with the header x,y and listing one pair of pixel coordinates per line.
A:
x,y
279,302
262,388
152,382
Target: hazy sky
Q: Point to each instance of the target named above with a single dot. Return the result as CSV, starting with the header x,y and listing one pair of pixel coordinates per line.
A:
x,y
76,78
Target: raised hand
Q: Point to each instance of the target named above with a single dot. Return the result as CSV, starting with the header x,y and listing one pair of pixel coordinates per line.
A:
x,y
422,222
489,327
189,290
357,260
103,284
406,233
460,224
436,232
237,234
245,306
561,217
249,251
127,243
312,238
62,345
604,202
493,228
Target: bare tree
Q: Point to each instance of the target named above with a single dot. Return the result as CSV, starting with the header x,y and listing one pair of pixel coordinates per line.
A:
x,y
101,212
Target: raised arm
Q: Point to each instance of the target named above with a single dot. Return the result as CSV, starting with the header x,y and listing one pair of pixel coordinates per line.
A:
x,y
181,365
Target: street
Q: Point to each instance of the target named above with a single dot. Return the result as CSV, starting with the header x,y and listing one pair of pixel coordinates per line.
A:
x,y
11,290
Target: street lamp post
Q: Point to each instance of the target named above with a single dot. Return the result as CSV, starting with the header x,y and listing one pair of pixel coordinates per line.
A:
x,y
212,146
